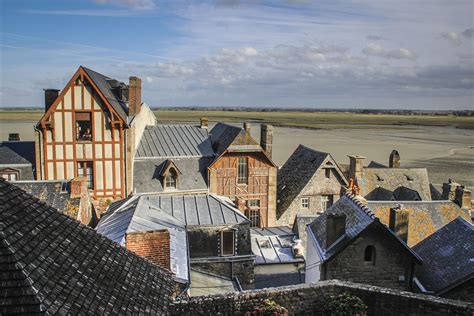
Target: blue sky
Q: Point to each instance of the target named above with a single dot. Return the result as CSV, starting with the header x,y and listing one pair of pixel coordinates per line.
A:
x,y
293,53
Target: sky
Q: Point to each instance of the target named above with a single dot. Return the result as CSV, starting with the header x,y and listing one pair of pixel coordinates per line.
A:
x,y
408,54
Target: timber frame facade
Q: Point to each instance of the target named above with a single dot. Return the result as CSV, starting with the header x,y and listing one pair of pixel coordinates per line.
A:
x,y
82,133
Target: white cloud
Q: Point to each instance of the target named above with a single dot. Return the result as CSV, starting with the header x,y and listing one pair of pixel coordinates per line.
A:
x,y
378,50
134,4
453,37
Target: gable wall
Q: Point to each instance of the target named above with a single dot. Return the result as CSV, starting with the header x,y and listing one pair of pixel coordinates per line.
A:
x,y
61,151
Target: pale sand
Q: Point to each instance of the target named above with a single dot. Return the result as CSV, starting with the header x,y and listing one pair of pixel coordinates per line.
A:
x,y
445,151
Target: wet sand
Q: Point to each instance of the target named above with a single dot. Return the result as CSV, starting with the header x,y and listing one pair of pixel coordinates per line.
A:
x,y
445,151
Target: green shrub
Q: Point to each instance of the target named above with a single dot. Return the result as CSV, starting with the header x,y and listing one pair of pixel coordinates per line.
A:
x,y
346,304
268,307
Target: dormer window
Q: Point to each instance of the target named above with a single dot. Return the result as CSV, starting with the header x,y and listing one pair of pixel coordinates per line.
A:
x,y
170,174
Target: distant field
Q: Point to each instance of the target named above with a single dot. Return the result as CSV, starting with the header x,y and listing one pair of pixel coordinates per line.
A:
x,y
312,120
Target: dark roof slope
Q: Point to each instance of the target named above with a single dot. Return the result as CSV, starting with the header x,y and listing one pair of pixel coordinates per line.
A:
x,y
358,218
61,266
107,85
447,256
224,136
297,171
22,152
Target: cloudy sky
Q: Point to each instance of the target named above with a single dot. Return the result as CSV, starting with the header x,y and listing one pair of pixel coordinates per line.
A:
x,y
294,53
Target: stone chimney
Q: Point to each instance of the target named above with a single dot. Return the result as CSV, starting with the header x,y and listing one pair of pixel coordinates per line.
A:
x,y
204,122
151,245
463,197
356,167
14,137
240,203
78,187
266,139
335,227
247,127
394,160
449,190
135,96
50,95
398,222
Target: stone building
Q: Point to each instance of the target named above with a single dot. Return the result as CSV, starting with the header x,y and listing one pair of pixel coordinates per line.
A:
x,y
448,267
458,194
70,197
309,182
92,128
413,221
204,233
17,159
377,182
244,171
349,243
52,264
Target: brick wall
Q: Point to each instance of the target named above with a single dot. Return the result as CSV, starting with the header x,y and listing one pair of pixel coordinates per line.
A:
x,y
152,245
311,299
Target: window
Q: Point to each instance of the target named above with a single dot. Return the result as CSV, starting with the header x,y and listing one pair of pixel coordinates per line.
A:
x,y
227,243
369,255
242,175
9,174
83,126
305,202
327,172
326,202
253,212
84,169
171,179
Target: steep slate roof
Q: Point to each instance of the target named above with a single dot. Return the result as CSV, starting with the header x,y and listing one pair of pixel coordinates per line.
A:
x,y
358,219
17,153
425,217
297,171
447,256
106,86
55,193
393,178
171,141
227,137
273,245
52,264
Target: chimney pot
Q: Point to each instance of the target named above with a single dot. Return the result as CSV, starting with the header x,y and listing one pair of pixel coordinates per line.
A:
x,y
135,95
247,127
50,95
394,160
398,222
266,139
14,137
356,167
449,190
204,122
335,227
463,197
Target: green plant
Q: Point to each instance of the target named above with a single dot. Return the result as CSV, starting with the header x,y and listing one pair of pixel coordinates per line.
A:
x,y
268,307
108,202
346,304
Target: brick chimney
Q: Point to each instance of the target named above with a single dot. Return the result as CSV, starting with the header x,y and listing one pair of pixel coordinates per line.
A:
x,y
151,245
78,187
463,197
398,222
449,190
335,227
266,139
14,137
247,127
394,160
135,96
50,95
356,166
204,122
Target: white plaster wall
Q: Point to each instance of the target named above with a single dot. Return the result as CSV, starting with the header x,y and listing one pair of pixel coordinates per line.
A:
x,y
145,118
313,267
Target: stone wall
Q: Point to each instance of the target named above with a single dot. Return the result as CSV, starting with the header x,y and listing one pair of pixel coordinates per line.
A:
x,y
151,245
462,292
311,299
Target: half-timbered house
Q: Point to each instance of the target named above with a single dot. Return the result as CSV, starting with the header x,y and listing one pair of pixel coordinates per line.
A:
x,y
92,128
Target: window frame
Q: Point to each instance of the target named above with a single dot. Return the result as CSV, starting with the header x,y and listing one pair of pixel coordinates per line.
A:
x,y
305,201
370,252
242,171
222,252
324,203
327,173
89,177
76,125
173,174
9,172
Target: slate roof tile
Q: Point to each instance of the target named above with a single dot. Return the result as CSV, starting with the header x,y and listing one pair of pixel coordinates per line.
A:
x,y
21,152
62,266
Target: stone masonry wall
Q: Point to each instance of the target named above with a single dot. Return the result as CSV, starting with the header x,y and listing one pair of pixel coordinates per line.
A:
x,y
311,299
391,262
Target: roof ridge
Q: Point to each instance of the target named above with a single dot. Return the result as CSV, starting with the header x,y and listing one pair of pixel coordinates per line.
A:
x,y
314,150
367,211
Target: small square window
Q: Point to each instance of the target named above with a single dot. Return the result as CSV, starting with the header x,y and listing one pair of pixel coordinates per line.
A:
x,y
305,202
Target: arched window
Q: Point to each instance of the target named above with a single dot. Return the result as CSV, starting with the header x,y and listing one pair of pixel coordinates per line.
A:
x,y
369,255
171,179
